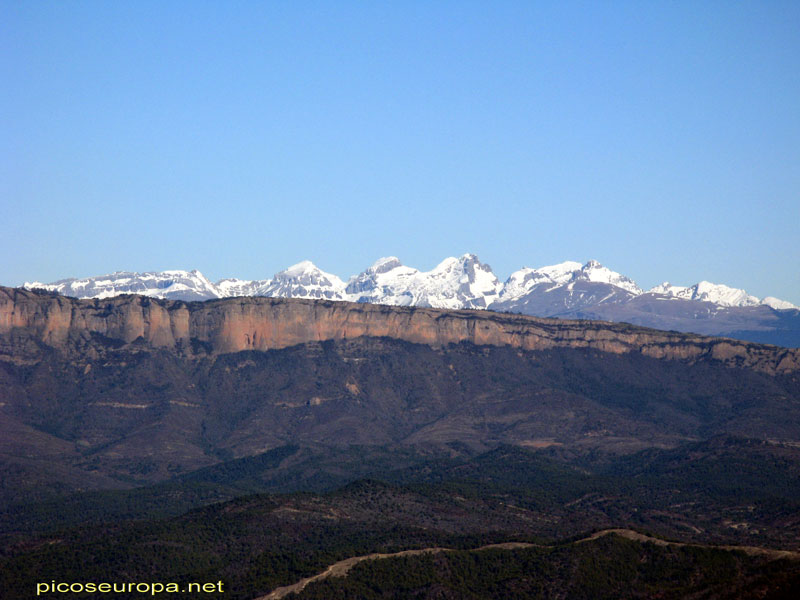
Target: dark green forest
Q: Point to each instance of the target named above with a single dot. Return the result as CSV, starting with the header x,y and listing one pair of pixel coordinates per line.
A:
x,y
255,543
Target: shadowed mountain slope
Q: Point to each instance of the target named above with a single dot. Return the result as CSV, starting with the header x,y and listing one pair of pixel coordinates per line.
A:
x,y
131,390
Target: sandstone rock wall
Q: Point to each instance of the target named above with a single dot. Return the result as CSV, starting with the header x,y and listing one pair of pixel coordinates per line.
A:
x,y
235,324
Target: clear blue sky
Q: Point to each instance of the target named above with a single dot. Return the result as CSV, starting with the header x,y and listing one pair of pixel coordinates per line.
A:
x,y
660,138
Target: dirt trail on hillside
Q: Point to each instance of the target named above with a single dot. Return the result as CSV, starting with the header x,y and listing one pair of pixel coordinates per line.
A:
x,y
341,568
640,537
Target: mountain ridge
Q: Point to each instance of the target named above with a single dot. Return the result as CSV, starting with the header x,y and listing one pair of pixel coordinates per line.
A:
x,y
568,290
569,271
256,323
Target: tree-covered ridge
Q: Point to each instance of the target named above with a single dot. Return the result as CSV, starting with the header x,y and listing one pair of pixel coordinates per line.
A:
x,y
608,567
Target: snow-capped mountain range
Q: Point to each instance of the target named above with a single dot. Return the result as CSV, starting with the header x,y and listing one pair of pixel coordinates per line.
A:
x,y
463,282
568,289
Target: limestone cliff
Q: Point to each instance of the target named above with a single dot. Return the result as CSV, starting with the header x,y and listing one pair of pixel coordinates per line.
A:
x,y
236,324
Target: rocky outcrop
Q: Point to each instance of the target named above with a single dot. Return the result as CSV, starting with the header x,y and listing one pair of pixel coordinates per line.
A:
x,y
231,325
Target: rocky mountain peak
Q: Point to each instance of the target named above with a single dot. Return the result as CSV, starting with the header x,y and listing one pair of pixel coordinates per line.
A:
x,y
778,304
304,280
595,272
384,265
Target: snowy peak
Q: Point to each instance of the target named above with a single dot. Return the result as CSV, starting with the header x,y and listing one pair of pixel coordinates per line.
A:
x,y
463,282
467,269
385,282
560,273
565,275
705,291
303,269
522,282
384,265
303,280
667,289
597,273
722,294
174,284
778,304
231,288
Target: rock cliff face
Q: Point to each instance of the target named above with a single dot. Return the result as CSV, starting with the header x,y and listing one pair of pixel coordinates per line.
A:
x,y
231,325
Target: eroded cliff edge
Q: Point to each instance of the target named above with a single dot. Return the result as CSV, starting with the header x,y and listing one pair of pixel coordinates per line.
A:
x,y
235,324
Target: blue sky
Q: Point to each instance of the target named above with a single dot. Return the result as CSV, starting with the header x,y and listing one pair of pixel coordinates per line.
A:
x,y
660,138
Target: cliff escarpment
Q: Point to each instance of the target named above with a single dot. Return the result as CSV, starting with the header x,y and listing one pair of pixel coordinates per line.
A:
x,y
254,323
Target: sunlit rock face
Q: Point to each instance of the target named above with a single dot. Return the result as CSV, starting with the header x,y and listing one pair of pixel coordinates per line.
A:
x,y
256,323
